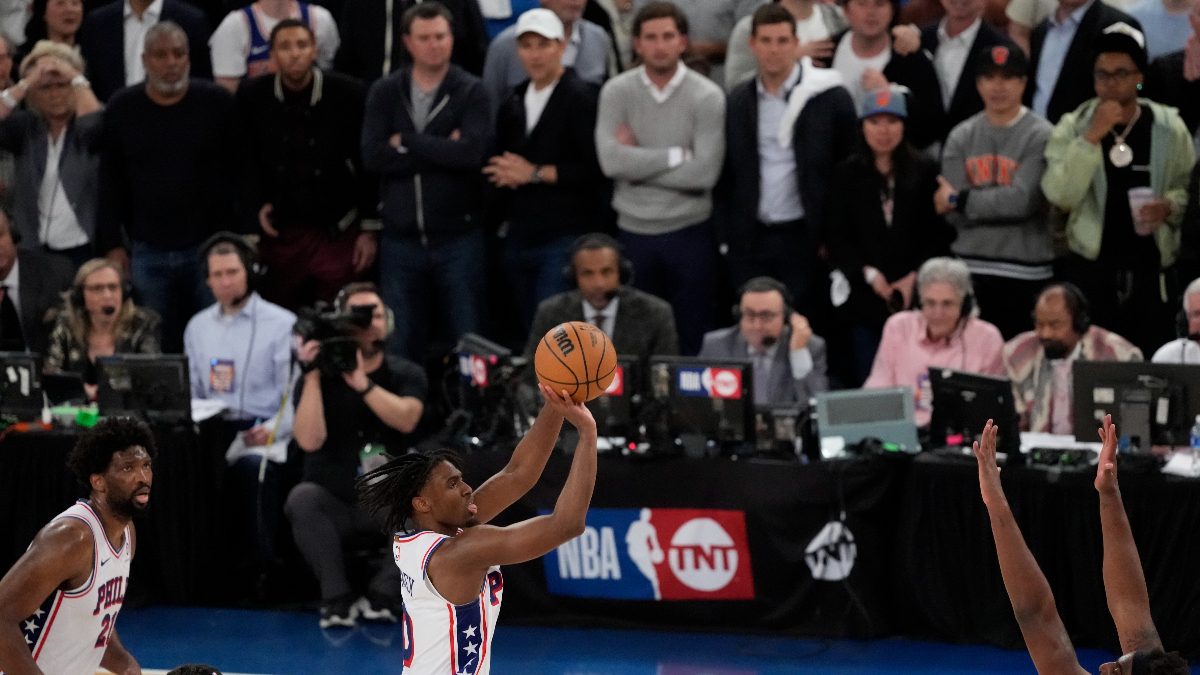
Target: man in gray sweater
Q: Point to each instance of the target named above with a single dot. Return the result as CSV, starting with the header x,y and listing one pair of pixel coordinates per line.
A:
x,y
990,190
660,135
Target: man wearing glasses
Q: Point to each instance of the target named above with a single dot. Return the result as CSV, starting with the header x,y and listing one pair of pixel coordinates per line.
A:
x,y
789,361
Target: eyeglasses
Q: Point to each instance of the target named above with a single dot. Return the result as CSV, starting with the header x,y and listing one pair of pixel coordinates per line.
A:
x,y
100,288
765,317
1113,75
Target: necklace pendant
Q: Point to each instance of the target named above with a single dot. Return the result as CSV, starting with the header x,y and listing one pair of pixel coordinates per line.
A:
x,y
1120,155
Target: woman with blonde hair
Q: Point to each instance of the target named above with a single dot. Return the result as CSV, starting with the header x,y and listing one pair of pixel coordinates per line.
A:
x,y
56,143
99,319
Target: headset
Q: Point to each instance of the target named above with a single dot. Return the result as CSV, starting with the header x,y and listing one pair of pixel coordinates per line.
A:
x,y
77,301
964,310
597,240
356,287
245,252
1077,305
765,285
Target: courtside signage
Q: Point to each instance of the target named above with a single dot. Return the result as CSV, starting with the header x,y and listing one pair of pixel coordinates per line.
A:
x,y
655,554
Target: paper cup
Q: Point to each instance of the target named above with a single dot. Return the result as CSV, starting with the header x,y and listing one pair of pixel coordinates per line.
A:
x,y
1139,197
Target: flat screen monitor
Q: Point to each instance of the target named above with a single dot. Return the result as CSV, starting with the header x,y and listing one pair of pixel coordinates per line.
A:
x,y
20,385
846,418
154,388
1155,401
614,410
964,402
707,396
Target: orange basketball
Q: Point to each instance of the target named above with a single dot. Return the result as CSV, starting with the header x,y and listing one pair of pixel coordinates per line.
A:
x,y
576,357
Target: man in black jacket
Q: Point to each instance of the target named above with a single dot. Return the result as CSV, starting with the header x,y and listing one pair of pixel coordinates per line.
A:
x,y
305,185
953,42
785,130
1061,56
425,132
370,30
551,189
105,29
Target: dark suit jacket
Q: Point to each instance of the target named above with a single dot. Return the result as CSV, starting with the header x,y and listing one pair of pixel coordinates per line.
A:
x,y
824,132
644,325
1165,84
565,138
966,100
1074,85
42,279
102,43
782,388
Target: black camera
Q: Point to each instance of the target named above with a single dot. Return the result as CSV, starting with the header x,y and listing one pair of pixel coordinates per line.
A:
x,y
337,332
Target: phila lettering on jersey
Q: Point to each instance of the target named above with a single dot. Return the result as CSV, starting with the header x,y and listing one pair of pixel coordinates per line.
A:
x,y
440,637
68,634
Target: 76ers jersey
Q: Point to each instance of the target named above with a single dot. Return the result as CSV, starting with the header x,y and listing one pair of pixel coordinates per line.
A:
x,y
441,638
68,634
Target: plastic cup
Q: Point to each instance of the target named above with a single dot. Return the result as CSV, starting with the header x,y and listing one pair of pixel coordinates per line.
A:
x,y
1139,197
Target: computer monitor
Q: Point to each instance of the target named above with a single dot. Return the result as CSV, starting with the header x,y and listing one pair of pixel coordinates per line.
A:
x,y
20,385
614,410
709,397
962,405
489,408
480,360
154,388
1154,401
846,418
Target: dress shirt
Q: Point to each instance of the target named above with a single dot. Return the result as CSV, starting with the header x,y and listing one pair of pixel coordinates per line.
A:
x,y
13,283
610,315
952,54
1059,36
257,343
58,225
135,36
779,192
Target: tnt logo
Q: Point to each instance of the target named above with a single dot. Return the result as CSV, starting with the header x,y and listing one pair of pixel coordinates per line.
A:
x,y
617,386
660,554
479,371
723,383
831,554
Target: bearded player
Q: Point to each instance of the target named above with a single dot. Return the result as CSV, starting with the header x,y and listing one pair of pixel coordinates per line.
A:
x,y
59,602
450,560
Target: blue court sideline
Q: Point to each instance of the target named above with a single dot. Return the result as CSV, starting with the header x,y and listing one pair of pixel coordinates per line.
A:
x,y
277,643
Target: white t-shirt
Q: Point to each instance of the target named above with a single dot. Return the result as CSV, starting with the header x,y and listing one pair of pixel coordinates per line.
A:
x,y
535,103
813,28
852,66
230,43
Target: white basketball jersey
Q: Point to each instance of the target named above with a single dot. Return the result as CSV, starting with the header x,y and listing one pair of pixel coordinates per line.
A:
x,y
68,634
441,638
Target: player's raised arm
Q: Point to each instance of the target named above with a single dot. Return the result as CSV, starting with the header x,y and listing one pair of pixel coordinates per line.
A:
x,y
458,565
61,554
1124,583
1028,591
525,466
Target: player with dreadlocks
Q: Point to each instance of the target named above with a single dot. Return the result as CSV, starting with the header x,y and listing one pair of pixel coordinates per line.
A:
x,y
449,559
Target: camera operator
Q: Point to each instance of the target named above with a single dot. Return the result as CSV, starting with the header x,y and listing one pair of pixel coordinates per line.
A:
x,y
341,418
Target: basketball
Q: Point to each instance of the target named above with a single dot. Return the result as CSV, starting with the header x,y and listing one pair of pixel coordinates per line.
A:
x,y
576,357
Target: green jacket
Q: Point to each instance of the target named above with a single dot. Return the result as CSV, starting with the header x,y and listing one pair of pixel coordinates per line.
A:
x,y
1076,183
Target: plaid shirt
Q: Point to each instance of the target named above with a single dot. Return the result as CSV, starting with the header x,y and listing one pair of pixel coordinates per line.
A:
x,y
1032,374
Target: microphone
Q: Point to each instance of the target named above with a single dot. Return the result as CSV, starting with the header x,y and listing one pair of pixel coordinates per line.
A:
x,y
108,310
769,340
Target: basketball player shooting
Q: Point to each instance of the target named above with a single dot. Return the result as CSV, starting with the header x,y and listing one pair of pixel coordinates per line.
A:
x,y
449,558
59,602
1124,584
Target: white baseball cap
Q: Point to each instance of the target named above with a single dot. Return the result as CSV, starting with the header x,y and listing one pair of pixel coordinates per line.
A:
x,y
541,21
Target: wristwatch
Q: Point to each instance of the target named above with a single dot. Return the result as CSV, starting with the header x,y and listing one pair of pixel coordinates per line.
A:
x,y
536,178
370,385
80,82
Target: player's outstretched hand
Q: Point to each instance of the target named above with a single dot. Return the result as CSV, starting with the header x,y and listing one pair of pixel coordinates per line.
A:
x,y
1106,468
576,413
989,472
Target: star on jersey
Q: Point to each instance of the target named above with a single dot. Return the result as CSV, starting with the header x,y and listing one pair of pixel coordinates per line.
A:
x,y
31,629
472,648
469,631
